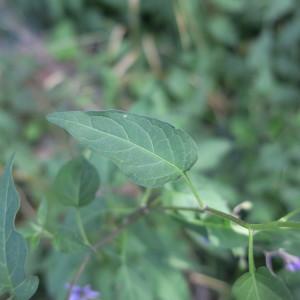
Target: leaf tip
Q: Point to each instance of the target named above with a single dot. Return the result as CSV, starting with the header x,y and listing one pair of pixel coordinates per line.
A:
x,y
52,117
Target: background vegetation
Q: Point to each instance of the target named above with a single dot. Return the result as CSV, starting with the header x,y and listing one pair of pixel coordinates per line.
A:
x,y
227,71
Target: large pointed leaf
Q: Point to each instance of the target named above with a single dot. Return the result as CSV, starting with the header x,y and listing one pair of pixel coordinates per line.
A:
x,y
12,245
261,285
149,151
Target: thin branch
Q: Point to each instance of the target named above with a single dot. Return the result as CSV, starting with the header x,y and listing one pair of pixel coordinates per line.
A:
x,y
215,284
152,55
227,217
211,211
259,226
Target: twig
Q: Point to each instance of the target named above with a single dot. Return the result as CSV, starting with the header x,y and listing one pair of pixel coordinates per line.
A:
x,y
215,284
125,63
116,39
152,55
208,210
254,226
134,19
181,25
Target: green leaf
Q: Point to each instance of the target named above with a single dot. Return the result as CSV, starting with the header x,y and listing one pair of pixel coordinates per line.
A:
x,y
76,183
148,151
132,283
261,285
139,252
12,245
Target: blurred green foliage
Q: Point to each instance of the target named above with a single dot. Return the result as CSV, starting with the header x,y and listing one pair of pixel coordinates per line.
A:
x,y
225,70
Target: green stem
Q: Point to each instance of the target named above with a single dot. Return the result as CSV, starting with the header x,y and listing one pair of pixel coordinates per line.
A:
x,y
210,210
215,212
227,217
81,228
194,190
290,215
250,252
146,196
265,226
275,225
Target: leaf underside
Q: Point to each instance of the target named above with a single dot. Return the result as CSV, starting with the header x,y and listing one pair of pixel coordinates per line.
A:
x,y
13,249
150,152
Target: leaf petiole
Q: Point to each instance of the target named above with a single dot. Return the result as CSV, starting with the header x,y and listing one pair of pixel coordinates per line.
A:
x,y
250,252
194,190
81,228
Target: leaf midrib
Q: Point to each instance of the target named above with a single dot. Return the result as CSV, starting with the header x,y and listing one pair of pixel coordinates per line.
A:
x,y
255,286
128,141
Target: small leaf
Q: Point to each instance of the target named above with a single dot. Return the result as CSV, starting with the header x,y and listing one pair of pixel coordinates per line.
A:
x,y
261,285
148,151
13,249
76,183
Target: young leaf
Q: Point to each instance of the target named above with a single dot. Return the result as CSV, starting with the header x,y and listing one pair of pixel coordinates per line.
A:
x,y
261,285
148,151
12,245
76,183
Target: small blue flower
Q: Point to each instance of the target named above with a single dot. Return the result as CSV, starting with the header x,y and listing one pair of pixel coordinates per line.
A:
x,y
82,293
291,262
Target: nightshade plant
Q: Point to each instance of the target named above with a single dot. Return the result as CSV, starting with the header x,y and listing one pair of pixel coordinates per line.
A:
x,y
151,153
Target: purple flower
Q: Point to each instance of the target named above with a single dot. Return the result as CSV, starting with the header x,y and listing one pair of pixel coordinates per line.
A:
x,y
291,262
82,293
